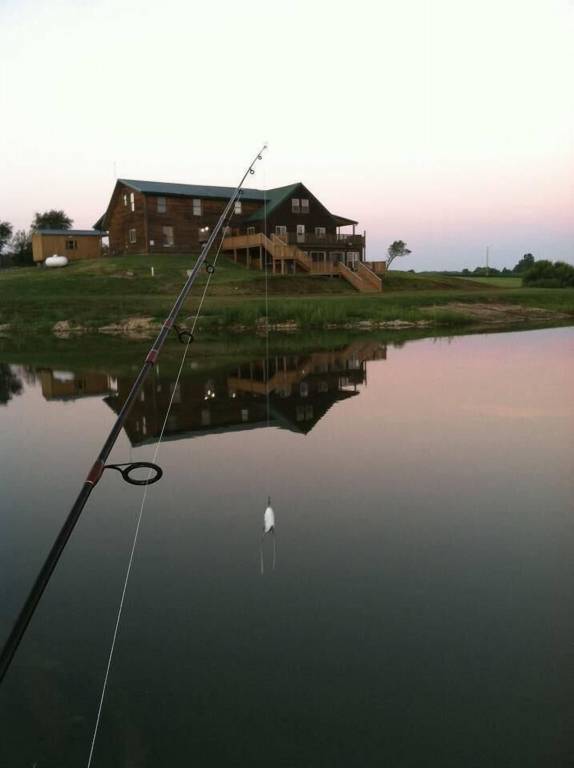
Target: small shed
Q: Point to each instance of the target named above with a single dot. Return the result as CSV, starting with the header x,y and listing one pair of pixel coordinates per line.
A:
x,y
75,244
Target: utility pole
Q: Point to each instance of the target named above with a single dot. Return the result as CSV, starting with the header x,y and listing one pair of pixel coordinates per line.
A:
x,y
487,255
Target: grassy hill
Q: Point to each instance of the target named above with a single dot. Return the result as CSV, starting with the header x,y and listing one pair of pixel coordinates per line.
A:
x,y
103,292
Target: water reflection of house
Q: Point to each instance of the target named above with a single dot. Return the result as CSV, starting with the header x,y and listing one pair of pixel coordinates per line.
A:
x,y
66,385
288,391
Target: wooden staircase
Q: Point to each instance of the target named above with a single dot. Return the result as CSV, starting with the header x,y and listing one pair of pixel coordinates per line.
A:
x,y
362,279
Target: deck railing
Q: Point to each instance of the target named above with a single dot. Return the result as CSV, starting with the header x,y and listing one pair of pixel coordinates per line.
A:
x,y
312,238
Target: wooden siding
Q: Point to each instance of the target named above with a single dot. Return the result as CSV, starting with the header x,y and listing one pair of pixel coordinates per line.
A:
x,y
148,222
121,219
186,225
44,245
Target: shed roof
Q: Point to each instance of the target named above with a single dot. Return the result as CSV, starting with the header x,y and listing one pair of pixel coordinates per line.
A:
x,y
68,232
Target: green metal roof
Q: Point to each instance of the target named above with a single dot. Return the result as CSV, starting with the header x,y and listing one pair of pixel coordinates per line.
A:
x,y
273,198
190,190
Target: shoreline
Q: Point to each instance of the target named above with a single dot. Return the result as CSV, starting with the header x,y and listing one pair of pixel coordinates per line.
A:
x,y
452,315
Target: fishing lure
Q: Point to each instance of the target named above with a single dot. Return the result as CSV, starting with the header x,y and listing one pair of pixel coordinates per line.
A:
x,y
268,528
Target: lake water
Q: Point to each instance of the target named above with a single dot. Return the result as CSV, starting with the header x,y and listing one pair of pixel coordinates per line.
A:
x,y
420,609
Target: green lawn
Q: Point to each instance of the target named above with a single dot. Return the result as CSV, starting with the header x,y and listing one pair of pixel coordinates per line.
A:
x,y
104,291
497,282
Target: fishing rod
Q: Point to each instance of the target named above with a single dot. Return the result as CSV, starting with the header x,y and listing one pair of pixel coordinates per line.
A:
x,y
95,473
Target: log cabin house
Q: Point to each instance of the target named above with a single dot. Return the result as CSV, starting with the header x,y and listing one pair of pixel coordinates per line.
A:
x,y
286,229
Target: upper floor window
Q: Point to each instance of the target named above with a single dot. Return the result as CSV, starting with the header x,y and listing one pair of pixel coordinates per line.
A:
x,y
132,201
237,208
132,235
71,245
250,230
320,231
167,233
197,207
304,205
295,205
125,200
280,229
161,205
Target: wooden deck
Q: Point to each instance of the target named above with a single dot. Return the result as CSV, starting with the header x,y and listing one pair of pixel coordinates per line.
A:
x,y
284,255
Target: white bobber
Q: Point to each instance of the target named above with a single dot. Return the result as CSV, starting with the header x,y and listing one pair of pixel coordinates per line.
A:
x,y
268,517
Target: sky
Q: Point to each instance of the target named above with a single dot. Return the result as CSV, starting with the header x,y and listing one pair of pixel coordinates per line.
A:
x,y
445,123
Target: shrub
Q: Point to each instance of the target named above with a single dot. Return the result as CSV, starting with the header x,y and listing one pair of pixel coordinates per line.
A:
x,y
545,274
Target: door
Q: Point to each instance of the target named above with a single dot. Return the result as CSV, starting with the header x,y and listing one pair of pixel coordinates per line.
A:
x,y
352,259
300,233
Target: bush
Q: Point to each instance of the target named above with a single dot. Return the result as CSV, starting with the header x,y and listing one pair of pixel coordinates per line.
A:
x,y
545,274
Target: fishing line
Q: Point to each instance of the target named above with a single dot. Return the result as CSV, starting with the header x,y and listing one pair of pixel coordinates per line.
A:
x,y
266,298
269,514
210,274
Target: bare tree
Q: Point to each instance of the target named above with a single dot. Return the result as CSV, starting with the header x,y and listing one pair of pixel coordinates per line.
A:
x,y
396,249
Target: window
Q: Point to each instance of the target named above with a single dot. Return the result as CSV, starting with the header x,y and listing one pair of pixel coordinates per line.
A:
x,y
295,208
320,231
304,206
132,201
250,230
197,207
71,245
237,208
280,230
132,235
161,205
125,200
167,236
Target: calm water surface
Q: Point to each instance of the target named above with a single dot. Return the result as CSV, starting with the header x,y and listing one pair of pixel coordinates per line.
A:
x,y
420,609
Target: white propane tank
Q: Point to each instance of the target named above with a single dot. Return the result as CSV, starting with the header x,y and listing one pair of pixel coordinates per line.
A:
x,y
56,261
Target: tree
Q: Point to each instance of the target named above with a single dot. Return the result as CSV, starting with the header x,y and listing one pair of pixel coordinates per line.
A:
x,y
396,249
10,384
545,274
525,263
5,233
21,247
51,220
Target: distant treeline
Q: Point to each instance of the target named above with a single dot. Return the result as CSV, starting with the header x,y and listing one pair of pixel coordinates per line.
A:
x,y
536,274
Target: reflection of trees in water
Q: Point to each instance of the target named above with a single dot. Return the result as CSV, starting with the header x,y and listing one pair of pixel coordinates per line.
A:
x,y
10,384
29,375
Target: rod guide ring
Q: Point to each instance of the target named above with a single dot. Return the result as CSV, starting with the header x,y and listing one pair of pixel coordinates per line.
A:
x,y
126,469
186,337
